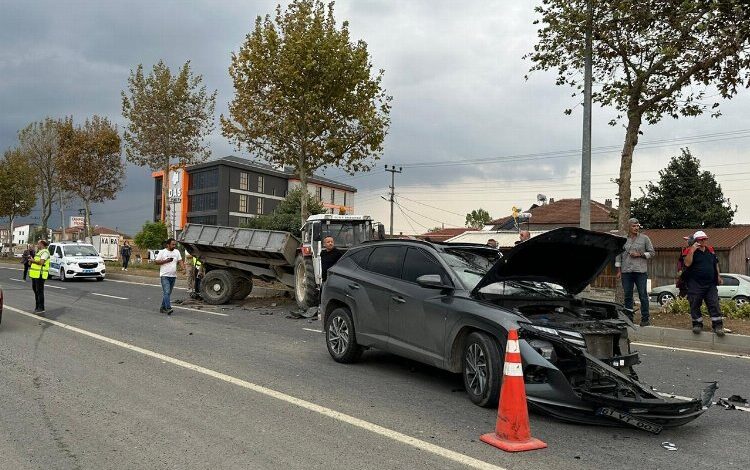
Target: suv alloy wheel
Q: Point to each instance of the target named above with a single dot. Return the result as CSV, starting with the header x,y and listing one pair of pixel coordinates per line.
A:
x,y
340,338
482,366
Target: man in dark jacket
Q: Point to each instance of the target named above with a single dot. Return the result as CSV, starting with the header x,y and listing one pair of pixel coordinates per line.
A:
x,y
701,277
28,255
125,253
329,256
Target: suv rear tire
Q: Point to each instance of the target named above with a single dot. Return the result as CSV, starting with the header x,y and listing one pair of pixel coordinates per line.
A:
x,y
481,367
341,340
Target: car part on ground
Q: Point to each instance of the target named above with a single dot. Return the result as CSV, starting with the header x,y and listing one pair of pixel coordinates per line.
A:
x,y
451,306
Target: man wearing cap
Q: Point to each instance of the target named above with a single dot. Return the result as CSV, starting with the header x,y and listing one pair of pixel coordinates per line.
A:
x,y
632,269
701,277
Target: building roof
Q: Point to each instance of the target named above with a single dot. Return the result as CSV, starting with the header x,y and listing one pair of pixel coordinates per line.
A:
x,y
563,211
504,238
720,238
288,173
97,230
444,234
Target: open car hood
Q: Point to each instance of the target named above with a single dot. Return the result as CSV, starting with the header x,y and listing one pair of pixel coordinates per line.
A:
x,y
570,257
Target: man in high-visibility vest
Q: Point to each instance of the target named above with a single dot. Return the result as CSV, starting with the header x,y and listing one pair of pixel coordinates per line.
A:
x,y
38,272
194,276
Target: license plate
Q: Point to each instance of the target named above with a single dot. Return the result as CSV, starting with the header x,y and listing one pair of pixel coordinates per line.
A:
x,y
630,420
87,271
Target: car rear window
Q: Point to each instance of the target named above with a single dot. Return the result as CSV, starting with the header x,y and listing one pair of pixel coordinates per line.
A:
x,y
387,260
360,257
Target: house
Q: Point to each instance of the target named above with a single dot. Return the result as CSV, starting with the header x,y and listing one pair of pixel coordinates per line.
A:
x,y
4,235
444,234
732,246
77,233
231,190
22,234
562,213
506,239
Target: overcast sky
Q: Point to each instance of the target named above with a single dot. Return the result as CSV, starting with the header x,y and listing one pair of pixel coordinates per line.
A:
x,y
454,69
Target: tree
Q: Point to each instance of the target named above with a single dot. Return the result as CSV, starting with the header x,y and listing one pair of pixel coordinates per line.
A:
x,y
168,118
305,95
477,219
651,59
151,236
17,183
286,216
684,197
39,143
90,162
435,229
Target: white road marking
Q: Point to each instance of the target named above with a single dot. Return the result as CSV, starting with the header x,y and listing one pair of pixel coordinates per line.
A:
x,y
14,269
310,329
17,280
110,296
143,284
712,353
201,311
360,423
55,287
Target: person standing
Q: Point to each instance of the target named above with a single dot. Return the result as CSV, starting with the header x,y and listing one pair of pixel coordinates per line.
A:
x,y
523,235
492,243
168,259
125,252
680,282
702,278
28,255
632,269
329,256
38,272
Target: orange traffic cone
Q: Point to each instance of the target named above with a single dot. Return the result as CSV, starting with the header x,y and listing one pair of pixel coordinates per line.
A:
x,y
512,431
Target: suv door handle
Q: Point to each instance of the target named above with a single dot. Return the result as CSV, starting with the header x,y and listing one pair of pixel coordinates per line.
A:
x,y
398,299
354,286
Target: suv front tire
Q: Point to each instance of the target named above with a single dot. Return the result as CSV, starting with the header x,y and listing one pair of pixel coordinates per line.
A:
x,y
481,366
340,338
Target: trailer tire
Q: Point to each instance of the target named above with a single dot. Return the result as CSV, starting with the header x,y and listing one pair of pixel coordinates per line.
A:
x,y
305,291
243,285
217,287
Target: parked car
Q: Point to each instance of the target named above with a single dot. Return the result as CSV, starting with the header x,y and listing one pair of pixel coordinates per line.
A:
x,y
70,260
451,306
735,287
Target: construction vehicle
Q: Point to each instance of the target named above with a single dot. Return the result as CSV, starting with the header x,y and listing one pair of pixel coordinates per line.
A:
x,y
233,257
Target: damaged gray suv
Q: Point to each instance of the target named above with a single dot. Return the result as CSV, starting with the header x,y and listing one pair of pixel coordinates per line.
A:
x,y
451,306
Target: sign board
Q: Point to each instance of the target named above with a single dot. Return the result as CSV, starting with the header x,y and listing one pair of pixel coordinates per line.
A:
x,y
174,197
76,221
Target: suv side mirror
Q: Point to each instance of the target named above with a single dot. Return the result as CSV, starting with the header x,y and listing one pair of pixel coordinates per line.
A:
x,y
432,281
317,232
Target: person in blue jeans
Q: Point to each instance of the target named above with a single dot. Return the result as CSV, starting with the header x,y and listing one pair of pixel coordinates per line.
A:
x,y
168,259
632,269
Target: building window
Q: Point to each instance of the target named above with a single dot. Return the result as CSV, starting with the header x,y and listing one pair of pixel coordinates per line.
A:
x,y
333,196
204,219
344,199
244,181
319,193
243,203
260,184
202,202
204,179
273,191
260,205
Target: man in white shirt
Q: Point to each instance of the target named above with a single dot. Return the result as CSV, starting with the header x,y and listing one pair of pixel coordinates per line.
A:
x,y
167,260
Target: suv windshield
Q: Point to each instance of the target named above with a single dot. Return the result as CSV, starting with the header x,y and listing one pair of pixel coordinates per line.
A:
x,y
524,289
80,250
469,266
346,234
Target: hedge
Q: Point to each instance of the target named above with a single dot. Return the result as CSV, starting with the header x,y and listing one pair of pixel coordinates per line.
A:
x,y
729,308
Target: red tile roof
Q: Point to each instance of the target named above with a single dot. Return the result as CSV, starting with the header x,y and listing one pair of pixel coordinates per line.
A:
x,y
444,234
565,211
719,238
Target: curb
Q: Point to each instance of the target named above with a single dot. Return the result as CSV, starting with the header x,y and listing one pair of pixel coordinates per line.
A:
x,y
673,337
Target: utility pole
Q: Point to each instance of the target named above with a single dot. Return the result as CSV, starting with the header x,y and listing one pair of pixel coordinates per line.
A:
x,y
62,217
392,170
586,147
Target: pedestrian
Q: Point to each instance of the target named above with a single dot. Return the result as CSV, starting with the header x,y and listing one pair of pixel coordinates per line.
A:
x,y
168,259
28,255
492,243
38,272
523,235
632,269
125,253
680,282
328,257
702,277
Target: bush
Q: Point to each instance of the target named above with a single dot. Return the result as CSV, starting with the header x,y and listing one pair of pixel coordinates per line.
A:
x,y
151,236
729,308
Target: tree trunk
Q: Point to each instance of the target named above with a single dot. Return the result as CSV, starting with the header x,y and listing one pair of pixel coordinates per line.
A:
x,y
47,196
11,218
303,197
626,165
87,220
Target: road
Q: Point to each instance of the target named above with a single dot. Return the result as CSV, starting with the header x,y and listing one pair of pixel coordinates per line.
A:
x,y
105,381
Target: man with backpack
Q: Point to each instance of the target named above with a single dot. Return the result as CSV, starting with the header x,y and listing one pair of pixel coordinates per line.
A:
x,y
702,277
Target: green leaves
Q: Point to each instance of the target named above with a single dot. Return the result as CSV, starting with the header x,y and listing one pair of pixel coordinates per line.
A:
x,y
305,93
17,185
151,236
477,219
684,197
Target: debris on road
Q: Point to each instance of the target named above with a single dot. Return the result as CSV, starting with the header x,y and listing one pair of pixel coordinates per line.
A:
x,y
738,399
669,446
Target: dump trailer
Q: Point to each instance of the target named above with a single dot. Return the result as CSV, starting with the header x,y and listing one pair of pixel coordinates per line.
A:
x,y
233,257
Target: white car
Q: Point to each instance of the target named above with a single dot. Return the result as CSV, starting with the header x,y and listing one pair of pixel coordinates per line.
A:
x,y
69,260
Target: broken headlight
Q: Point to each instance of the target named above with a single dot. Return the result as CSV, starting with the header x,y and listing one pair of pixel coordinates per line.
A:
x,y
544,348
572,337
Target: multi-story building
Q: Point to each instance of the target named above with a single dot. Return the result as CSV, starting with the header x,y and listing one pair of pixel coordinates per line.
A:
x,y
22,234
231,190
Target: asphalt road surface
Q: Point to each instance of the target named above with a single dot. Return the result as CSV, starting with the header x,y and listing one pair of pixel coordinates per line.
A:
x,y
105,381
